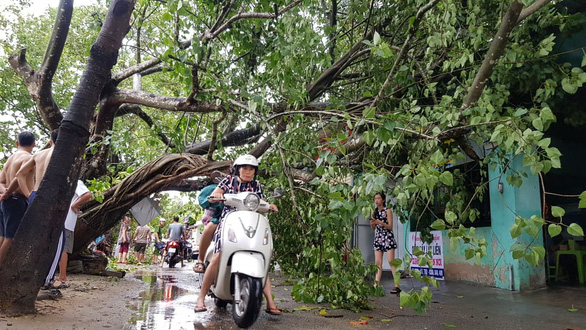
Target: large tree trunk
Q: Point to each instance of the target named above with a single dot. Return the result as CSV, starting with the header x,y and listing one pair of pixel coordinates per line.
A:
x,y
156,176
26,264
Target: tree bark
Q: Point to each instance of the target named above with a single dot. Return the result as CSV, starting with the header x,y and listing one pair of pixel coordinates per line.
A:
x,y
156,176
26,264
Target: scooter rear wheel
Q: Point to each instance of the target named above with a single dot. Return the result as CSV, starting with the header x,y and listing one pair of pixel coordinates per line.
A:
x,y
246,311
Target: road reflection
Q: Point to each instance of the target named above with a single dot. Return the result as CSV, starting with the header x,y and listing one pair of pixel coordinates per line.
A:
x,y
168,301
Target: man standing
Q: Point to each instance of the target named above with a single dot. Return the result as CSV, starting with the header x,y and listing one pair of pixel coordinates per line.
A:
x,y
14,203
34,169
81,196
142,236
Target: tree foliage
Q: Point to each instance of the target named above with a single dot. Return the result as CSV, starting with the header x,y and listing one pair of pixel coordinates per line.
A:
x,y
338,97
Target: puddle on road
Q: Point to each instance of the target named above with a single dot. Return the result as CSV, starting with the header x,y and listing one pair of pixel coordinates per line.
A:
x,y
168,303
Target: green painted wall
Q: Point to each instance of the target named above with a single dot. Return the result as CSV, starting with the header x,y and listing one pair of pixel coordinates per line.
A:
x,y
498,268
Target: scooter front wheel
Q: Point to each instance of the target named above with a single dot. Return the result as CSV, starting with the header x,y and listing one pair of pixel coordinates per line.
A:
x,y
246,311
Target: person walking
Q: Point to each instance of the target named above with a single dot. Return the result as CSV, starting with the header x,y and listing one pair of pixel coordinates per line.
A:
x,y
142,237
124,240
381,221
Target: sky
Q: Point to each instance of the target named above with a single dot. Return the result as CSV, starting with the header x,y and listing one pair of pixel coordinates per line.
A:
x,y
39,6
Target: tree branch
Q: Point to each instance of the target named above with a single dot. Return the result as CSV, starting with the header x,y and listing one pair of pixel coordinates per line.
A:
x,y
212,34
495,51
136,110
163,102
234,138
412,29
531,9
50,110
55,46
139,68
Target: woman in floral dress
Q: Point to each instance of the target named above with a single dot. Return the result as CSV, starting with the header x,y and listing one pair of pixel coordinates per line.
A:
x,y
381,221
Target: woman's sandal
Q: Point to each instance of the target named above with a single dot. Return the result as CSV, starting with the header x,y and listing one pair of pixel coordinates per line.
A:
x,y
199,309
273,311
60,285
396,290
199,267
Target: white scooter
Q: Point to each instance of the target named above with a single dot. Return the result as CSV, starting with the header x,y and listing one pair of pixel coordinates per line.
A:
x,y
247,247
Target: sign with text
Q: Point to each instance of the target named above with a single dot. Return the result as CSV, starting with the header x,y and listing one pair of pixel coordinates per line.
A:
x,y
437,250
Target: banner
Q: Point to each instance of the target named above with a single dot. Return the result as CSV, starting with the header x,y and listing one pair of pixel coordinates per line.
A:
x,y
145,210
437,249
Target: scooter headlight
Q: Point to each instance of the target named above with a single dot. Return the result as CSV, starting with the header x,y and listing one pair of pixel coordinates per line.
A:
x,y
251,202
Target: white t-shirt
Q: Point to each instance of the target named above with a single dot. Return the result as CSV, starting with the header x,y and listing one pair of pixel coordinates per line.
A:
x,y
71,219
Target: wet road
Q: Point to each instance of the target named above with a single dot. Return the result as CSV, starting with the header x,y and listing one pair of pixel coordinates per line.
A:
x,y
169,299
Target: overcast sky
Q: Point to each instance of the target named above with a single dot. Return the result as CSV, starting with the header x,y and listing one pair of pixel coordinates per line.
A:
x,y
39,6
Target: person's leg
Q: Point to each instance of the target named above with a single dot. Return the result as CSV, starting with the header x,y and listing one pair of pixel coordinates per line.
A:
x,y
63,268
56,260
268,292
204,243
120,249
208,279
378,261
391,257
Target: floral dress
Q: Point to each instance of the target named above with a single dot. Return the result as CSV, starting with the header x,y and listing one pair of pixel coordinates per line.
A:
x,y
384,239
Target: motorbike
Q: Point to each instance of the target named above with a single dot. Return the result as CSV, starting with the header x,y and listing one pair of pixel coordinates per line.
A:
x,y
247,247
174,255
187,250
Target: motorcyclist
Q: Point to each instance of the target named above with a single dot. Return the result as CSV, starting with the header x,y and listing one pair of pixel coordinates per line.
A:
x,y
242,179
175,232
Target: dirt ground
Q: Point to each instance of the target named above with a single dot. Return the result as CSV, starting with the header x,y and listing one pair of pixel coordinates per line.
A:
x,y
86,304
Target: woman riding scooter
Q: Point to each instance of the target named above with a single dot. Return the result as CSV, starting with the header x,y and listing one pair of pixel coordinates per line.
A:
x,y
242,179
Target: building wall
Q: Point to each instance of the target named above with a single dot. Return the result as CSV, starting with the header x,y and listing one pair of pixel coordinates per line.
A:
x,y
498,268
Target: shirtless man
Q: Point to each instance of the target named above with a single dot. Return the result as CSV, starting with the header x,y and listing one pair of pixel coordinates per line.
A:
x,y
37,163
14,203
34,169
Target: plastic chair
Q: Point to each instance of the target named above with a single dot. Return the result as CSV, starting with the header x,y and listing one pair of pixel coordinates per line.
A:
x,y
573,250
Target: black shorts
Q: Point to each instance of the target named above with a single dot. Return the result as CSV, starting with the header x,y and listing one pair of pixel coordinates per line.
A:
x,y
13,209
140,247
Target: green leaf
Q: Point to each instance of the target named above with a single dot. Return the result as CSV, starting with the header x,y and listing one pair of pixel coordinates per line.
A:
x,y
376,38
449,325
396,262
438,224
568,87
520,112
554,230
515,231
369,137
518,254
437,157
574,229
447,178
451,217
368,113
557,211
540,250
